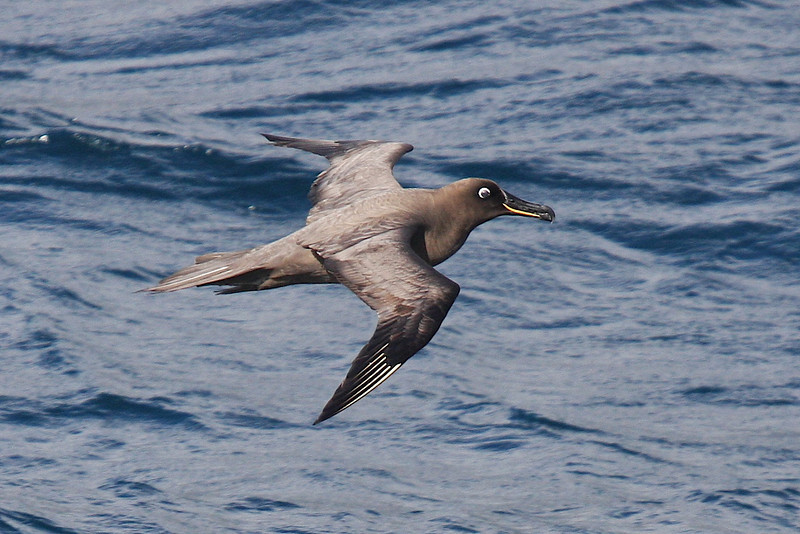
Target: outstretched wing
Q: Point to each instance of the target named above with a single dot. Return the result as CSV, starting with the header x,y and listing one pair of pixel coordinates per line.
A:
x,y
411,298
358,169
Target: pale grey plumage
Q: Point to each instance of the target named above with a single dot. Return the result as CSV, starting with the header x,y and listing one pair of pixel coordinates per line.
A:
x,y
380,240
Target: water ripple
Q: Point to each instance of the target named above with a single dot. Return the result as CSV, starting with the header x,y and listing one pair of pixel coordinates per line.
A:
x,y
112,408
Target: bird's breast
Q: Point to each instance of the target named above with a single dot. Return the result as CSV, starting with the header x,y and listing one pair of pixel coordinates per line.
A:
x,y
437,243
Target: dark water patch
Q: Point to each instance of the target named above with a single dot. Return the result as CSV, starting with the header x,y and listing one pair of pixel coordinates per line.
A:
x,y
129,489
226,26
703,391
361,93
9,518
467,426
700,80
623,513
10,75
104,166
128,274
739,139
44,342
791,184
686,195
629,452
538,76
120,522
714,174
665,48
54,359
586,155
260,504
38,340
462,407
773,506
792,384
8,125
252,420
520,418
446,523
114,167
222,61
45,217
107,444
66,297
499,445
460,43
115,409
21,196
725,241
681,5
746,396
254,112
623,97
28,51
537,173
465,30
109,183
585,472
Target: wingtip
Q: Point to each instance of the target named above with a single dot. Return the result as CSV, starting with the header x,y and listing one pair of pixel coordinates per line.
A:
x,y
280,140
274,139
320,419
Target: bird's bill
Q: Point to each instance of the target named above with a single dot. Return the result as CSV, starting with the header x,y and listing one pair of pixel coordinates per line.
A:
x,y
517,206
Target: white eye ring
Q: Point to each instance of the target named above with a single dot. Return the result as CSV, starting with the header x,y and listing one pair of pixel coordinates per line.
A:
x,y
484,192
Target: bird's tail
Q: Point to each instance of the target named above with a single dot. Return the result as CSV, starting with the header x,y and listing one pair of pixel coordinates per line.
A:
x,y
214,268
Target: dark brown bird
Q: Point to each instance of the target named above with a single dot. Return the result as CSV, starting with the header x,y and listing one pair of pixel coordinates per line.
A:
x,y
381,241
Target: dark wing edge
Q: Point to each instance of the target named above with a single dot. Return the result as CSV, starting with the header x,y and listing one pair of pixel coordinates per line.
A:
x,y
332,149
395,340
321,147
369,370
405,325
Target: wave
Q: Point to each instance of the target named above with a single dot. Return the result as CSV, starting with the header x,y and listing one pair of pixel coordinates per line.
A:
x,y
11,519
639,6
744,395
103,165
112,408
439,89
259,504
226,26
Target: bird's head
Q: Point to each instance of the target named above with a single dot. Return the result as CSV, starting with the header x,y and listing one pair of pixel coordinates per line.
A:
x,y
484,200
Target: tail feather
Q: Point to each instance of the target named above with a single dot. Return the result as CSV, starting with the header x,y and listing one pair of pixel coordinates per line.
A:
x,y
208,269
217,255
280,263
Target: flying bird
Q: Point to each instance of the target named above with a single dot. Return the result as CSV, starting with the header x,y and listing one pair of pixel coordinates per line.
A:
x,y
378,239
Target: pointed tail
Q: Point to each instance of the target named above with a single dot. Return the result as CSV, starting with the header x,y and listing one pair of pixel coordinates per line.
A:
x,y
207,269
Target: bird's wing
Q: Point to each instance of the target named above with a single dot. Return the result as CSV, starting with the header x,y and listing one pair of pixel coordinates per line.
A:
x,y
411,299
358,169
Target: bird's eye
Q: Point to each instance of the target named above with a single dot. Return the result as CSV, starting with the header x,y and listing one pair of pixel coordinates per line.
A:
x,y
484,192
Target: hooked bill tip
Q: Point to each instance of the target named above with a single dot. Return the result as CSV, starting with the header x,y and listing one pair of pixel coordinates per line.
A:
x,y
537,211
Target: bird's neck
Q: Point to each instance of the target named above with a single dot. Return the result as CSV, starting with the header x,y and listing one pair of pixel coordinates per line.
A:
x,y
443,234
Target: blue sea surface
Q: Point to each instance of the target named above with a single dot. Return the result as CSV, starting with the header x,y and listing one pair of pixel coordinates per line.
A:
x,y
632,367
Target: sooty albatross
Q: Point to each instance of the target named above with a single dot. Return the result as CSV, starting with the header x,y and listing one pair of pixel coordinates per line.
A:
x,y
381,241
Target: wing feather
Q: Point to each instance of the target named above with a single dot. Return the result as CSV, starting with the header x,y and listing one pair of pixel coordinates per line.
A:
x,y
358,169
410,297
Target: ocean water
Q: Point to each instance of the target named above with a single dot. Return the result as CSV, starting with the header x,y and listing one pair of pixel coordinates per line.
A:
x,y
633,367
